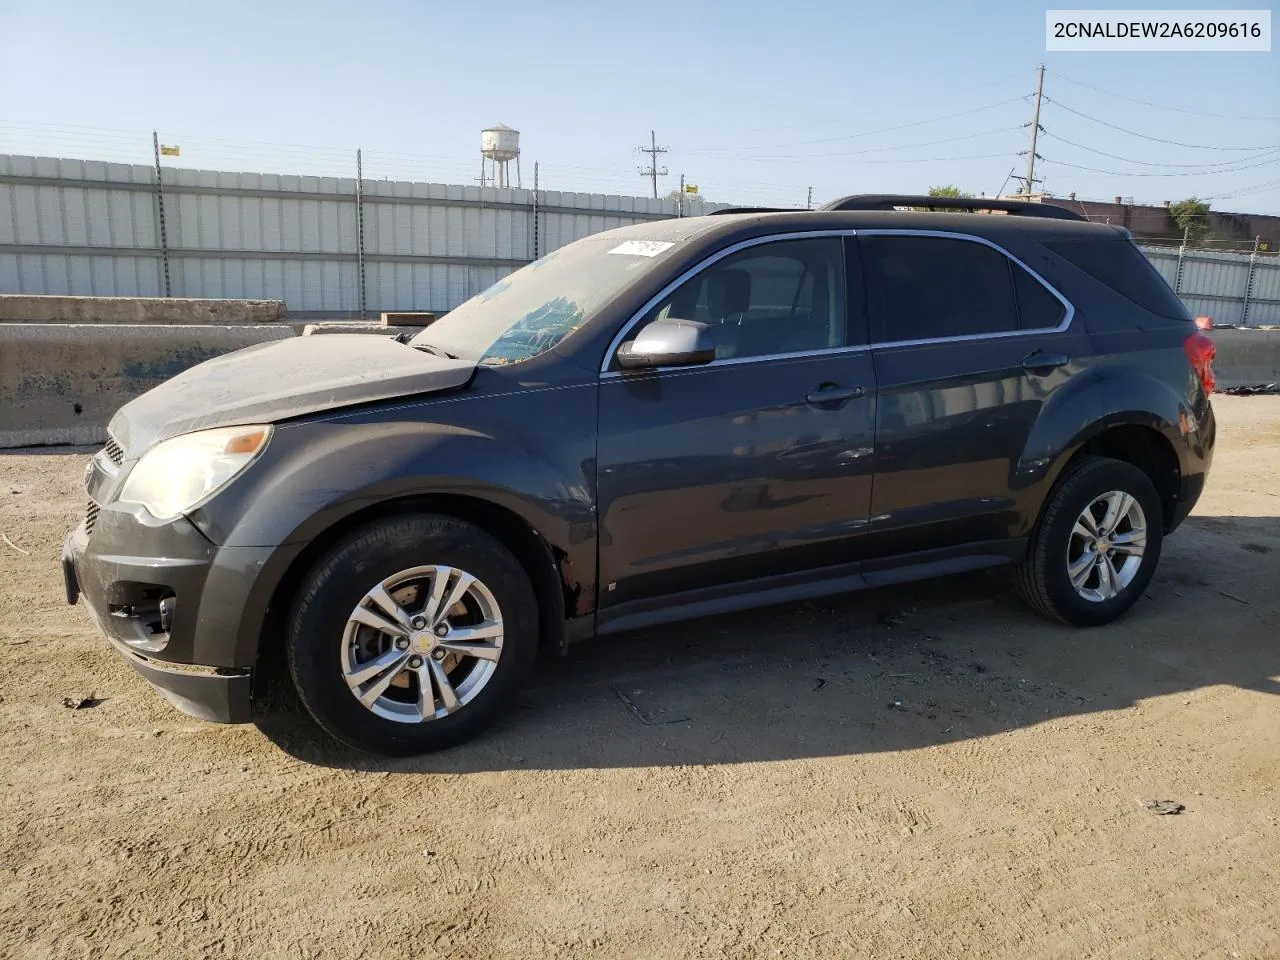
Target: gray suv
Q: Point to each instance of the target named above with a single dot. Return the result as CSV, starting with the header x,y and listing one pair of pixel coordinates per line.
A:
x,y
665,421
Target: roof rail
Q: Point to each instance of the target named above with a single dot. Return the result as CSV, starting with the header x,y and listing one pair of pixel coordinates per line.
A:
x,y
714,213
888,201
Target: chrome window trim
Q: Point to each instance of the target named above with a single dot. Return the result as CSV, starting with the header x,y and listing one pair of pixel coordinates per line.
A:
x,y
698,267
680,371
1067,317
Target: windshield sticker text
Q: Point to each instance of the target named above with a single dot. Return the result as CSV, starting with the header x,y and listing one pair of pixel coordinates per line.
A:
x,y
643,248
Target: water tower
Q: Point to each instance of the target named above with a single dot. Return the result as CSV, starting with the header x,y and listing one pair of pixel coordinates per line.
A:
x,y
499,145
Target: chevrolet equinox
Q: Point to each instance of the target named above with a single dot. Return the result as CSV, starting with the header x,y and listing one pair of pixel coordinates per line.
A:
x,y
669,420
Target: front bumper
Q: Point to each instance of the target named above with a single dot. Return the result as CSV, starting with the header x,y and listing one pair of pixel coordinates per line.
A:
x,y
194,651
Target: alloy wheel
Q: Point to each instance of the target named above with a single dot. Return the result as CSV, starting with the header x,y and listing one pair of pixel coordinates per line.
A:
x,y
1104,551
422,644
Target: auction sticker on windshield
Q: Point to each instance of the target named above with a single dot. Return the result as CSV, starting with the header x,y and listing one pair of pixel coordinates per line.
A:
x,y
643,248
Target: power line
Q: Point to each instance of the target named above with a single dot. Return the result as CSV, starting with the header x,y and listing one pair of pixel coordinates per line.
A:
x,y
1148,163
892,108
867,133
977,156
1158,106
1196,173
778,158
972,156
1249,191
1142,136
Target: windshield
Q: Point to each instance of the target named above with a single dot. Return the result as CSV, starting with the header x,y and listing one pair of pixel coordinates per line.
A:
x,y
535,308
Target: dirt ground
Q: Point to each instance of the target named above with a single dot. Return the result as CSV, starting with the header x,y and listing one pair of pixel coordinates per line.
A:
x,y
929,771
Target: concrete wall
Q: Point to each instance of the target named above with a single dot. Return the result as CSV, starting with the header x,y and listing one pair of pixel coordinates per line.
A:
x,y
1158,223
62,383
19,308
1246,358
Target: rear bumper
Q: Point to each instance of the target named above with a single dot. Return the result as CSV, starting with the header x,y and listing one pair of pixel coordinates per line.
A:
x,y
1195,463
1188,496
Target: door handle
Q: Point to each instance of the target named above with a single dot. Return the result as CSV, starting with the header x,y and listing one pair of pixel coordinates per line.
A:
x,y
831,395
1039,362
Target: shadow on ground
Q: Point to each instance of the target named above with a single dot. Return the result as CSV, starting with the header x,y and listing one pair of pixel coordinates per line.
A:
x,y
894,669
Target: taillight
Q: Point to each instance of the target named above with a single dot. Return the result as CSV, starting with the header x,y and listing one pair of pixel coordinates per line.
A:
x,y
1201,351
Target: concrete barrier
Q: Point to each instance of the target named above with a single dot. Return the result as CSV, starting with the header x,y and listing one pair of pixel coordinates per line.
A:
x,y
1246,357
61,383
19,308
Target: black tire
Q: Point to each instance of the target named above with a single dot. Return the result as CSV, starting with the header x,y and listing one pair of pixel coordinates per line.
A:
x,y
354,565
1043,579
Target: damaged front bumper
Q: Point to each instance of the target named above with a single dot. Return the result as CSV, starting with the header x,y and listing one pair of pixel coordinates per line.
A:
x,y
152,610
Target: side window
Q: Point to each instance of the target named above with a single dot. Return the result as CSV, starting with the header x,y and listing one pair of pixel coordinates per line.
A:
x,y
775,298
931,287
1124,268
1038,309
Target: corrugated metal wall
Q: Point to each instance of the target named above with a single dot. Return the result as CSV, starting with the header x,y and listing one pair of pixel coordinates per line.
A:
x,y
1215,284
92,228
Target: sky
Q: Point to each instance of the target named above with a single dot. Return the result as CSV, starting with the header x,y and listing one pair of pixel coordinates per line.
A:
x,y
757,102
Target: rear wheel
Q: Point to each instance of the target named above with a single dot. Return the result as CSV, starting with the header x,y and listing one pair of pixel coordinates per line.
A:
x,y
1096,545
412,634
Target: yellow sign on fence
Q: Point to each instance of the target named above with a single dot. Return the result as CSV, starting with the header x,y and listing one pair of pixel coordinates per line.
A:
x,y
170,151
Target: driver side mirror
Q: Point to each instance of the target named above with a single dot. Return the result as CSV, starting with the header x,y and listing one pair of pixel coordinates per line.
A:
x,y
669,343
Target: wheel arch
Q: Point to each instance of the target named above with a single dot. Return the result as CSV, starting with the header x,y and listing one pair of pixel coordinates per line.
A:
x,y
1145,447
543,562
1125,415
1134,437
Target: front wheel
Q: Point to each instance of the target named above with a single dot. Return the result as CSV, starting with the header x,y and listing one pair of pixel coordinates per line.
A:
x,y
1096,545
412,634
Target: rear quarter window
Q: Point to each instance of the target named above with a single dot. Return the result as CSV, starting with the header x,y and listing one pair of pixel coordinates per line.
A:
x,y
1120,265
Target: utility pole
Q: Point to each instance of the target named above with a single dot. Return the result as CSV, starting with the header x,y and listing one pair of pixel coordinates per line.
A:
x,y
1035,129
680,206
654,151
808,204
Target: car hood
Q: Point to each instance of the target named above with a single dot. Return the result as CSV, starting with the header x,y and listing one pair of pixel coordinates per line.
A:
x,y
273,381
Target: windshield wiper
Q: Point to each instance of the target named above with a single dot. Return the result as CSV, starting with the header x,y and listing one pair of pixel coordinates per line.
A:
x,y
435,350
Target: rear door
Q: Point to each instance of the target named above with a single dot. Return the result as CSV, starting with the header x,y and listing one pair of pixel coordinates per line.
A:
x,y
968,344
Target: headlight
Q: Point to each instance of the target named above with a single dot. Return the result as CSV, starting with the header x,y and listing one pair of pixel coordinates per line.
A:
x,y
176,475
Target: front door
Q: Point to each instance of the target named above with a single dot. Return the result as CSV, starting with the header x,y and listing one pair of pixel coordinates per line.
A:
x,y
756,464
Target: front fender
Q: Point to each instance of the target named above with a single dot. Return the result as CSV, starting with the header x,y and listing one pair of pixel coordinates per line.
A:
x,y
317,474
323,472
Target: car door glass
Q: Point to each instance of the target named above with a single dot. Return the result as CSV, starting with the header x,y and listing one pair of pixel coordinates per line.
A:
x,y
1038,309
935,287
775,298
